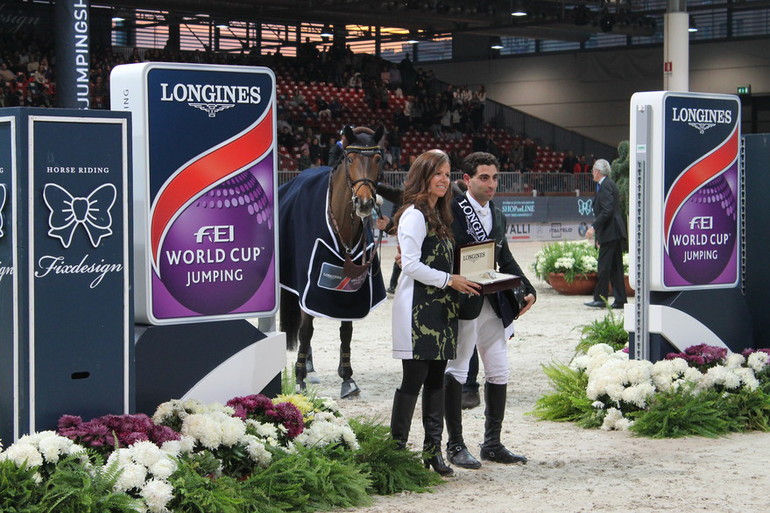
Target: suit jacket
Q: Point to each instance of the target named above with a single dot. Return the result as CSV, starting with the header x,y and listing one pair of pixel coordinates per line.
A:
x,y
470,306
608,222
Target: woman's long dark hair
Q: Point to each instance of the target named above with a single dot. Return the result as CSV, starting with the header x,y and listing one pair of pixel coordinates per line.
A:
x,y
416,193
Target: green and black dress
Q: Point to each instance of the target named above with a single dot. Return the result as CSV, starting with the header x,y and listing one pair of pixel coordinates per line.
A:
x,y
425,310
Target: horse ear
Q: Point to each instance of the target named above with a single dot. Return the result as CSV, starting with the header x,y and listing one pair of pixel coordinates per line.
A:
x,y
379,133
348,133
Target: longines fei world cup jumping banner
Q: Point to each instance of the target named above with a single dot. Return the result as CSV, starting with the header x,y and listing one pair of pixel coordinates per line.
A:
x,y
692,154
205,189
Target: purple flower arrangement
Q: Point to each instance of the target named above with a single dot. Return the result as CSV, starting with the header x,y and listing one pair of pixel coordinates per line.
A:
x,y
701,356
259,407
112,431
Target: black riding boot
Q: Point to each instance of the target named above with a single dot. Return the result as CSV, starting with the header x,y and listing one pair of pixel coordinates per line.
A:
x,y
401,417
456,451
492,449
433,424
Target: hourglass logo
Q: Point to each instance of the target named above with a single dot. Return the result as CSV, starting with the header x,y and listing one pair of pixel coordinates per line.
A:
x,y
68,212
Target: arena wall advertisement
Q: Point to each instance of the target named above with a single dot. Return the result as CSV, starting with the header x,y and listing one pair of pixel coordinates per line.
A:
x,y
542,218
205,189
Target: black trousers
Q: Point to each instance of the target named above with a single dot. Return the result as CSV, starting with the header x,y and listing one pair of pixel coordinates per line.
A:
x,y
610,271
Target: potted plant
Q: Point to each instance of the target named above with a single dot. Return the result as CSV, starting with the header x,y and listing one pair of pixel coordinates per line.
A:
x,y
569,267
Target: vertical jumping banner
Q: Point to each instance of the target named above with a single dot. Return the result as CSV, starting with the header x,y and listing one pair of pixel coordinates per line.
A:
x,y
72,53
205,189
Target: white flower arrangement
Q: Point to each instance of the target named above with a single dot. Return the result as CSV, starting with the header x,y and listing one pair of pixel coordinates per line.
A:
x,y
617,384
40,448
326,429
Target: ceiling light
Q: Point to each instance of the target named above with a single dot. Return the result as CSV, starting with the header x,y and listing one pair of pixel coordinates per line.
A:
x,y
692,27
327,31
518,9
496,43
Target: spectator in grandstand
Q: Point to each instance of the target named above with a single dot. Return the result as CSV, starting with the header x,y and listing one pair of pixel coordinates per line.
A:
x,y
529,155
304,161
516,155
394,143
568,162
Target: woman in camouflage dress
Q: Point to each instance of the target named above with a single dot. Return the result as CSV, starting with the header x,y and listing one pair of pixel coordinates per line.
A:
x,y
425,305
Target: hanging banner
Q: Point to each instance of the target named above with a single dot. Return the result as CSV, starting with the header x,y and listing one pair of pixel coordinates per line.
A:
x,y
205,189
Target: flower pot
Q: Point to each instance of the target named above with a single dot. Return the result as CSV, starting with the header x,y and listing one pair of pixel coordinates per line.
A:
x,y
580,286
629,289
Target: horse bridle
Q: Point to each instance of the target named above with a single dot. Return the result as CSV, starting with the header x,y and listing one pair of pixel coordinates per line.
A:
x,y
366,151
352,269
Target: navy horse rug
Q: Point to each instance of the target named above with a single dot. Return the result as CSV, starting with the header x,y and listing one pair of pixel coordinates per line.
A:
x,y
311,258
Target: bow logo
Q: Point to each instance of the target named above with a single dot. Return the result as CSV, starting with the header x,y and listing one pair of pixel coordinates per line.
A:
x,y
2,205
69,212
585,207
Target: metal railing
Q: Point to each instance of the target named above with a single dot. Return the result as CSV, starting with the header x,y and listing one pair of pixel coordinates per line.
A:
x,y
527,183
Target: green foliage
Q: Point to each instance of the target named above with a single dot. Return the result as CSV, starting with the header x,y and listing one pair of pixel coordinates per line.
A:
x,y
289,380
77,488
391,470
748,410
619,174
569,402
680,413
18,491
195,493
607,330
312,479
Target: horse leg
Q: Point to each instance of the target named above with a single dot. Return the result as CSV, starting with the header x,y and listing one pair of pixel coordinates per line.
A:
x,y
305,333
312,375
345,370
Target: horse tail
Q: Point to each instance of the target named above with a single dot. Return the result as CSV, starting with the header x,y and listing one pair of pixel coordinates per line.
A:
x,y
290,315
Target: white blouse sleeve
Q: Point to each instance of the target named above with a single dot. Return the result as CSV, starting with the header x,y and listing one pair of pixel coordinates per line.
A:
x,y
411,234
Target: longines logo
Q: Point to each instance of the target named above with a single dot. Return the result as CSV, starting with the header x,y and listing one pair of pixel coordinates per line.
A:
x,y
2,205
210,98
702,119
67,212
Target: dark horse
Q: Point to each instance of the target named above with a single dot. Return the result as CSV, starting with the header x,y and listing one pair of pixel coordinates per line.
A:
x,y
329,265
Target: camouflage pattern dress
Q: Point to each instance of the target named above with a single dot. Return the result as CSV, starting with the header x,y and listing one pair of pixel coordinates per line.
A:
x,y
425,310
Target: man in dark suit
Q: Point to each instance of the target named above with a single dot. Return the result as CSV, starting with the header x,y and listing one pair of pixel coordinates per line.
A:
x,y
486,322
609,231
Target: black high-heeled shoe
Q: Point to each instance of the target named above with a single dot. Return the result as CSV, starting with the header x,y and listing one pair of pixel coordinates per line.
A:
x,y
436,461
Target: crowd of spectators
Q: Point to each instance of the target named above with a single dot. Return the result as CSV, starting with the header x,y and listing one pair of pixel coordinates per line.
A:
x,y
427,105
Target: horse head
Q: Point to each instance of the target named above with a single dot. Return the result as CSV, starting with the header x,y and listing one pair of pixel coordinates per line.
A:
x,y
362,159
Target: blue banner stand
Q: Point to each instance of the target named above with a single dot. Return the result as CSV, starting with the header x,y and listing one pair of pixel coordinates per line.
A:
x,y
67,212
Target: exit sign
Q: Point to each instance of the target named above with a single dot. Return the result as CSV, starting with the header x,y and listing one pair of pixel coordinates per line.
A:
x,y
744,89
